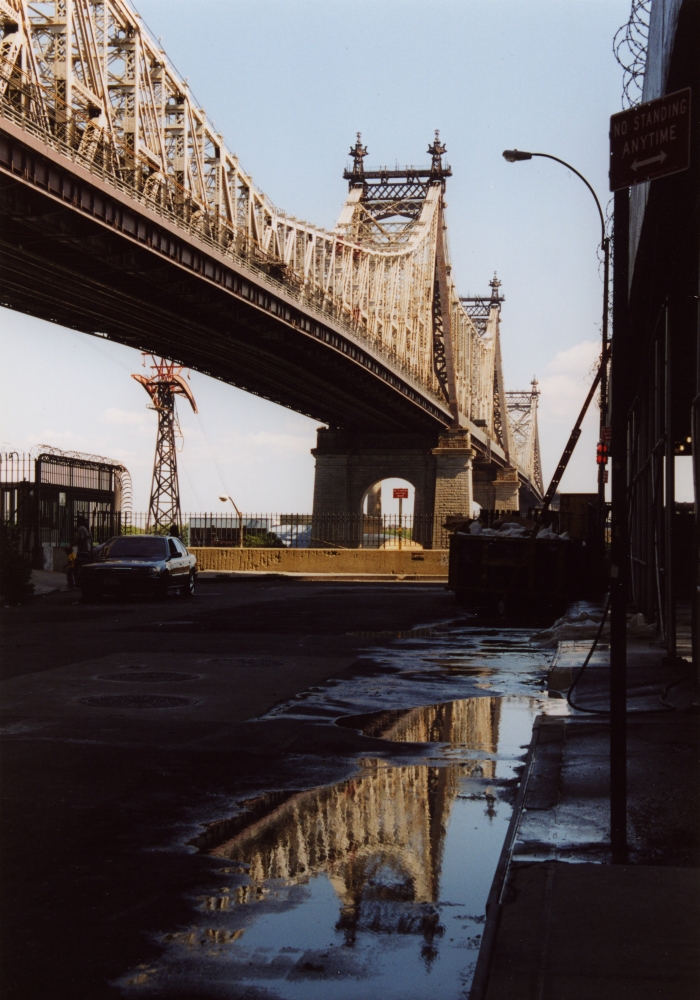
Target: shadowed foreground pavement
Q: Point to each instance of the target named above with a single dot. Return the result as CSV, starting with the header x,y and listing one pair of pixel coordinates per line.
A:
x,y
103,782
129,733
563,921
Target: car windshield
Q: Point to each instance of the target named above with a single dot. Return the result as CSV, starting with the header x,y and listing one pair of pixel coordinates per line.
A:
x,y
137,548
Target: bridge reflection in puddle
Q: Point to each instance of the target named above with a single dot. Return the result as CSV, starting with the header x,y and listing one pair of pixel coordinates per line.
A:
x,y
471,723
377,884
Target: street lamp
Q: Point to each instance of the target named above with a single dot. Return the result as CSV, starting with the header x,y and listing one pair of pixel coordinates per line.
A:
x,y
241,532
514,156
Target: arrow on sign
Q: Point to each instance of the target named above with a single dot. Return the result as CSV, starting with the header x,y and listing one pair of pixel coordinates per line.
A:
x,y
645,163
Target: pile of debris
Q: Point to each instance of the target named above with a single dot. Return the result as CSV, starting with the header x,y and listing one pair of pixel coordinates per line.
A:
x,y
582,622
511,528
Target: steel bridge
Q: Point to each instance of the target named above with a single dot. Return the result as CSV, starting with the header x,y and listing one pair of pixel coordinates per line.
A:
x,y
125,216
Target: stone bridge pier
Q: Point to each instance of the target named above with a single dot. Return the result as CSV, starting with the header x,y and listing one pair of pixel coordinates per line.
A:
x,y
351,464
495,488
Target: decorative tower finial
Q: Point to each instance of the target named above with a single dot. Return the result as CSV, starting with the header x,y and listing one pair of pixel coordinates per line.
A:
x,y
495,285
358,153
436,151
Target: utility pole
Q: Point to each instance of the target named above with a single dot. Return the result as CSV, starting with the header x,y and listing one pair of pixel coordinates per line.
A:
x,y
669,491
619,550
400,494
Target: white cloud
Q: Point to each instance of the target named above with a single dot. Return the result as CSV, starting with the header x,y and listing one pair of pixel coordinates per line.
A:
x,y
577,360
122,417
279,442
563,390
567,381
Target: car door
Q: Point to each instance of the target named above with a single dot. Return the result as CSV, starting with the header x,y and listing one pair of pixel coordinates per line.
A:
x,y
187,559
177,566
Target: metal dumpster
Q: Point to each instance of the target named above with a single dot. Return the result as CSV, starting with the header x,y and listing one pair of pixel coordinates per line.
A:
x,y
515,575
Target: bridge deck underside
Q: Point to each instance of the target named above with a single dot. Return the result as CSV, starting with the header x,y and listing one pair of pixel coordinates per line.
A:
x,y
61,264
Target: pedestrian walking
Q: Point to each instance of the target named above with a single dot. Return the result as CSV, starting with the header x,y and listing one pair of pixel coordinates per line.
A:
x,y
84,545
70,567
174,531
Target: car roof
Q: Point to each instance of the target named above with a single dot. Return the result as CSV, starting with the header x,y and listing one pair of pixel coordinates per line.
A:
x,y
162,538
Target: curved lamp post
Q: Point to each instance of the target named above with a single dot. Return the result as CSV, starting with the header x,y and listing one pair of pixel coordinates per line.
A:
x,y
513,156
241,531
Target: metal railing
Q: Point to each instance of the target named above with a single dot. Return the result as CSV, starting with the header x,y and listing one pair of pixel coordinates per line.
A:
x,y
57,526
299,531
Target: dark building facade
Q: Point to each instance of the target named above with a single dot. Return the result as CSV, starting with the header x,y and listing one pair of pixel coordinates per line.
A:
x,y
663,361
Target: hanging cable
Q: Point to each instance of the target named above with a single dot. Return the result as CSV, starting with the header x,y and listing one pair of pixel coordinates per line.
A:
x,y
604,711
579,675
211,452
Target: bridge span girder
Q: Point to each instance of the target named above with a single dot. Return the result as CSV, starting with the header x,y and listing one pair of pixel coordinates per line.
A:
x,y
107,269
125,215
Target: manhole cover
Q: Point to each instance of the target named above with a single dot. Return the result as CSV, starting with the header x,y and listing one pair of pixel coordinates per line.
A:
x,y
136,701
151,677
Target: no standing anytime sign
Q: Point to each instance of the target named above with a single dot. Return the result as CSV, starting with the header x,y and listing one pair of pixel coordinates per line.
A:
x,y
651,140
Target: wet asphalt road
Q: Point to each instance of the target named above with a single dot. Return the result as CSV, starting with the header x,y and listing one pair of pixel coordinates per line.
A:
x,y
154,754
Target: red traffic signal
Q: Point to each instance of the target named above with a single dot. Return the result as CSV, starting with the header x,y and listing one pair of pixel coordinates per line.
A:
x,y
602,453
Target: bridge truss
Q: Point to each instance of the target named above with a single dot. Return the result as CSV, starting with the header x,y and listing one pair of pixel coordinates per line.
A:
x,y
88,79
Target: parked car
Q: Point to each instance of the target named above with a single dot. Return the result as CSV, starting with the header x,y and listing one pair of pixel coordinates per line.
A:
x,y
139,564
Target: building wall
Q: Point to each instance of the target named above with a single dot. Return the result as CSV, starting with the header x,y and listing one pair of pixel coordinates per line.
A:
x,y
664,327
662,34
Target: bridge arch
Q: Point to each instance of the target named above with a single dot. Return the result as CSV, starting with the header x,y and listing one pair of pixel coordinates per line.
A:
x,y
350,464
378,499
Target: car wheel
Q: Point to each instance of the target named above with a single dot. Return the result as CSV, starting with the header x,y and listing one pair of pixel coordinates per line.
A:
x,y
188,589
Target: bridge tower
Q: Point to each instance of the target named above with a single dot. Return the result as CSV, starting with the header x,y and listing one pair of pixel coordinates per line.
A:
x,y
163,386
384,210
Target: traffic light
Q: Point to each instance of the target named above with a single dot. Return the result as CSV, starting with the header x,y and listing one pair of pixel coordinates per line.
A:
x,y
602,453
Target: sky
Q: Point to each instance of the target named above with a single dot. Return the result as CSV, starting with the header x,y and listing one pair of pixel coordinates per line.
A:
x,y
289,83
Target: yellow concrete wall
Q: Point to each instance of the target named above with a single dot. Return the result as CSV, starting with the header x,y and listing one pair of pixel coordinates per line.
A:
x,y
427,562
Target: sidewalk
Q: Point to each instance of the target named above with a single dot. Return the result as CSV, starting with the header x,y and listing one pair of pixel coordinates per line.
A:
x,y
45,581
562,920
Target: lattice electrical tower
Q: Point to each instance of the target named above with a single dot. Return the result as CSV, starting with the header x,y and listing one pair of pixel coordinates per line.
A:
x,y
162,386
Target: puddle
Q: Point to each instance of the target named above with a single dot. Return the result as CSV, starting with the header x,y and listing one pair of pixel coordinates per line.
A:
x,y
414,671
462,667
426,630
460,723
377,884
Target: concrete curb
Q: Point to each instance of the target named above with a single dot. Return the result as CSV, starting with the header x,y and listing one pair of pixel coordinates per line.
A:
x,y
247,576
482,971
